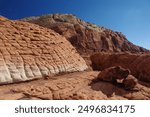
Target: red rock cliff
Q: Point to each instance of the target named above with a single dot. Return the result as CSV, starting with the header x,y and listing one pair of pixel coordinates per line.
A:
x,y
86,37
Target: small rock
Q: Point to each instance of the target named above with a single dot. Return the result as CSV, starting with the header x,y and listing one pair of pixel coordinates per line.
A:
x,y
130,82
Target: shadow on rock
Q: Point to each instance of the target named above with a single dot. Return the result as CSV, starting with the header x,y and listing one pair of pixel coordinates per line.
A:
x,y
108,88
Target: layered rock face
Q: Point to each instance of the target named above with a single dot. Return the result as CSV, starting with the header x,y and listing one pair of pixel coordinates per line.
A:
x,y
28,51
86,37
138,64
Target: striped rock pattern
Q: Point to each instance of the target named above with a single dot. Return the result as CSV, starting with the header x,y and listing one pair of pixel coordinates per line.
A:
x,y
28,51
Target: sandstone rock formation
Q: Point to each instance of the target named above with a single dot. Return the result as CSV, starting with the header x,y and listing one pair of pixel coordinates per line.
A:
x,y
77,85
118,76
28,51
3,18
130,82
138,64
86,37
112,74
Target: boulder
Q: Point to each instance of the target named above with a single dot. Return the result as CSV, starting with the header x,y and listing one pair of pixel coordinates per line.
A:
x,y
130,82
113,74
118,76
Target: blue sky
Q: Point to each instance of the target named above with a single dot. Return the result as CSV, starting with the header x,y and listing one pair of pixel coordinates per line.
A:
x,y
131,17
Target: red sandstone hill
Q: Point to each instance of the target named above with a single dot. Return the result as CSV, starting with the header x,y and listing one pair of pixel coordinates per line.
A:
x,y
86,37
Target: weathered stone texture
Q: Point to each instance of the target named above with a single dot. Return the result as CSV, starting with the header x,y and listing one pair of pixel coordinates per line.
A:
x,y
84,36
28,51
75,86
138,64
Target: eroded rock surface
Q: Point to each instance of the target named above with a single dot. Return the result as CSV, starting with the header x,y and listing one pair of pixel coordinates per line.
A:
x,y
138,64
130,82
86,37
28,51
3,18
77,86
112,74
118,76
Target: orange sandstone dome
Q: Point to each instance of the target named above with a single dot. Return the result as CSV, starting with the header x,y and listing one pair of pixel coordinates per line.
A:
x,y
28,51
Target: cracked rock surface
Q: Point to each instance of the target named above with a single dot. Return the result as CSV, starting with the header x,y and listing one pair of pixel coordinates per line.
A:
x,y
28,51
78,85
